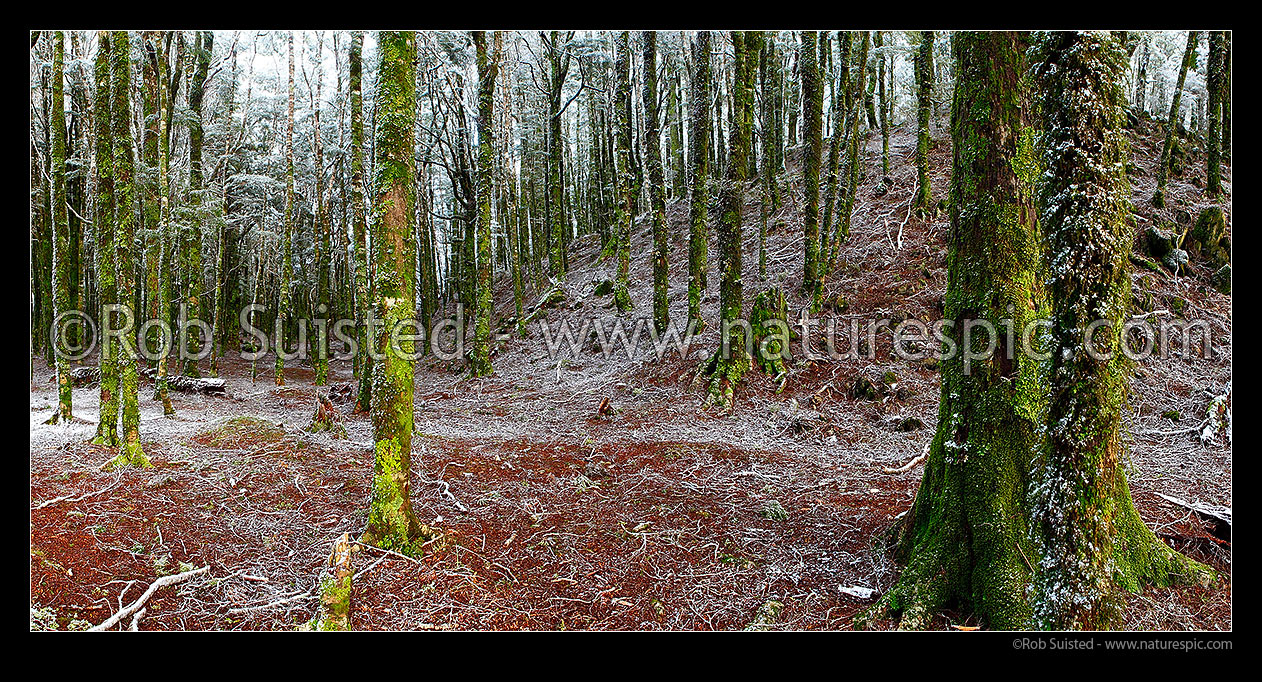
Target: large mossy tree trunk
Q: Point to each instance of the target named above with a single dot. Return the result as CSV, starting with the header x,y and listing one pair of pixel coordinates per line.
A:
x,y
391,522
107,424
964,540
699,156
1090,538
131,452
924,101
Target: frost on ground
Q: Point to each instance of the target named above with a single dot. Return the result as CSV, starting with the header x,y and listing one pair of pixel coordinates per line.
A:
x,y
650,514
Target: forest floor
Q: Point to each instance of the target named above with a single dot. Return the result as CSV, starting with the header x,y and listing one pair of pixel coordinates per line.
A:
x,y
655,513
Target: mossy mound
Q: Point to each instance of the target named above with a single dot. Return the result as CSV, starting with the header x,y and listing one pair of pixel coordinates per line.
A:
x,y
239,431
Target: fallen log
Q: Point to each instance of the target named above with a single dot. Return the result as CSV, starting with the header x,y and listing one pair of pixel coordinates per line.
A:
x,y
183,384
1219,516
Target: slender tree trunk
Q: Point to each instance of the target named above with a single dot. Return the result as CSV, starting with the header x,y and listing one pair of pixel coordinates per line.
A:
x,y
284,308
812,113
625,172
730,362
924,97
488,71
324,257
881,103
1173,121
846,207
166,243
131,452
657,204
1213,136
699,139
61,229
363,293
107,424
193,231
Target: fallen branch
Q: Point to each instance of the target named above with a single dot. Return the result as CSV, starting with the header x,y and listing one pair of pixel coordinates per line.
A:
x,y
157,585
907,467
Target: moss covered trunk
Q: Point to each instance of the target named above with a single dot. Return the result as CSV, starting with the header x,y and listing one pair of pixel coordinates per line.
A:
x,y
812,104
699,153
131,452
1090,537
965,539
1174,119
391,522
107,424
656,184
61,227
924,100
488,68
625,173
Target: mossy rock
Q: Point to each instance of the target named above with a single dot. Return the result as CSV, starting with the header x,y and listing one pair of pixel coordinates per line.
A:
x,y
1172,415
1158,242
604,287
1208,237
909,424
863,389
1176,260
1222,279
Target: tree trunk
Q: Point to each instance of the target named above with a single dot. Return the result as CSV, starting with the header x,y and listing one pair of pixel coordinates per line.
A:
x,y
657,204
699,141
61,229
488,67
625,173
284,308
131,452
1215,91
107,424
965,537
1089,536
924,97
1173,120
363,293
812,112
391,523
